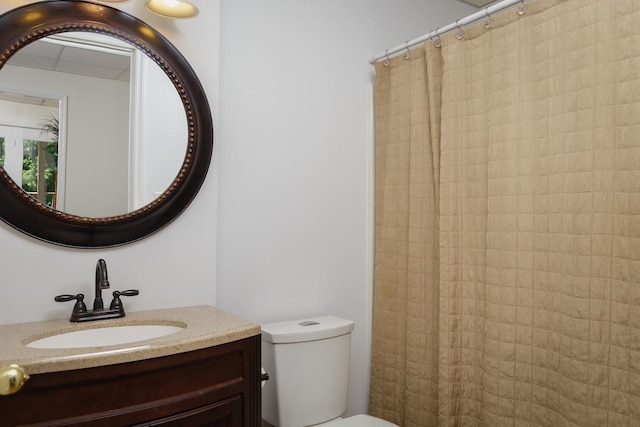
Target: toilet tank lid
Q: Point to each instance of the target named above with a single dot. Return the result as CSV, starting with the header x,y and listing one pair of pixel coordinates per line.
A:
x,y
310,329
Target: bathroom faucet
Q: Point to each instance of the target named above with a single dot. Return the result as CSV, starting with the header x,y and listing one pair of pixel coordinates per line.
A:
x,y
116,309
102,282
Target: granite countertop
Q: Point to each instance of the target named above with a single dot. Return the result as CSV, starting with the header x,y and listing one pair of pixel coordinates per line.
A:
x,y
205,326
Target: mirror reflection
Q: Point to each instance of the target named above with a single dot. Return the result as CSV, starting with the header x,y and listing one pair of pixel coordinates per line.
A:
x,y
89,125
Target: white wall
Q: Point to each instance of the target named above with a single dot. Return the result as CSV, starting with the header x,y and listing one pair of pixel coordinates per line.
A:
x,y
175,267
28,115
294,151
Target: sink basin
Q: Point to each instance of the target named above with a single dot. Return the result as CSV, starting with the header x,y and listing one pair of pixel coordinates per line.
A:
x,y
100,337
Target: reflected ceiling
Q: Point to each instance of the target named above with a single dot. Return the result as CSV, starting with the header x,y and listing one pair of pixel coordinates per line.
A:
x,y
66,57
97,63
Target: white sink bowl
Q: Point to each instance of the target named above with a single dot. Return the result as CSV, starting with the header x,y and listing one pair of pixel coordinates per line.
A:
x,y
100,337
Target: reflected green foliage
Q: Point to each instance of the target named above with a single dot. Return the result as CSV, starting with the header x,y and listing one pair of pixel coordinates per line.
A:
x,y
30,160
30,167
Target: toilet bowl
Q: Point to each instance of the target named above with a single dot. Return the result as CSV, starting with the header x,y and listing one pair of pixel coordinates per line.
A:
x,y
359,421
308,365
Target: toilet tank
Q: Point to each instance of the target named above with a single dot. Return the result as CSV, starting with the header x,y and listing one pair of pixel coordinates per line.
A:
x,y
308,365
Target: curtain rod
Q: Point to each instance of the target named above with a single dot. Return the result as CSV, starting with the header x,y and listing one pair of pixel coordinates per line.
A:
x,y
484,13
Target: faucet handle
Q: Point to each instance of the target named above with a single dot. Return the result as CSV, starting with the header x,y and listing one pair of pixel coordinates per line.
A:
x,y
79,307
116,304
129,293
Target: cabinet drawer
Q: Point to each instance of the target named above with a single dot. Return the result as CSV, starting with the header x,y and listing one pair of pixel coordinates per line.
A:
x,y
227,413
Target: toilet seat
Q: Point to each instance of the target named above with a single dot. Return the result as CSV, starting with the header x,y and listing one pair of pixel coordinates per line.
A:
x,y
359,421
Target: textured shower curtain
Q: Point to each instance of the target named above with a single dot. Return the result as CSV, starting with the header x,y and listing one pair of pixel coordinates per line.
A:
x,y
507,264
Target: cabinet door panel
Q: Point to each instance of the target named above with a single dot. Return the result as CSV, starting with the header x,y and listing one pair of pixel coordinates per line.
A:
x,y
227,413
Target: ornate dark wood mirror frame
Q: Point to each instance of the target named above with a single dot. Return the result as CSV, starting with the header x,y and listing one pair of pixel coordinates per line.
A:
x,y
26,24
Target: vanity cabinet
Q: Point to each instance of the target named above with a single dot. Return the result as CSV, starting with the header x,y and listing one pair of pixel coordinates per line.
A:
x,y
213,386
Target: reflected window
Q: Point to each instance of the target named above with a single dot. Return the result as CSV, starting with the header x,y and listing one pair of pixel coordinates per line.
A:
x,y
30,157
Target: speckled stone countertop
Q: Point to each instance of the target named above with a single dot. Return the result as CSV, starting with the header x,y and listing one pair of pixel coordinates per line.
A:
x,y
205,326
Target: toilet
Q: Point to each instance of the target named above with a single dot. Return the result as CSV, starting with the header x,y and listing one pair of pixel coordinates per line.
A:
x,y
308,365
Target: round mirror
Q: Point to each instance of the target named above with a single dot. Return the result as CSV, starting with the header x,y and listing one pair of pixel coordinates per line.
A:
x,y
105,131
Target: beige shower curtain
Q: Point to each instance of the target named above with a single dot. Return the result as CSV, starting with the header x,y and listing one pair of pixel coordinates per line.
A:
x,y
507,269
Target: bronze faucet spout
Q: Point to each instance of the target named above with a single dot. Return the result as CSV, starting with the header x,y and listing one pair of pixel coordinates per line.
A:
x,y
102,282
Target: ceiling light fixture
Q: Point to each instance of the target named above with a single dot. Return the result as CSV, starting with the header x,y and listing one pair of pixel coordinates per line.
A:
x,y
172,8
